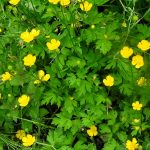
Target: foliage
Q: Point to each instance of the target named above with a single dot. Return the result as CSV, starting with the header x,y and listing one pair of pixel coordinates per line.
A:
x,y
73,97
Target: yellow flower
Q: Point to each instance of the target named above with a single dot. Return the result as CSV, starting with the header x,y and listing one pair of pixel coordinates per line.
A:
x,y
92,131
86,6
144,45
54,1
20,134
124,24
6,76
28,140
42,77
126,52
64,2
53,44
137,106
14,2
109,81
142,81
0,30
37,82
136,120
137,128
27,36
132,145
35,32
137,61
23,100
46,77
29,60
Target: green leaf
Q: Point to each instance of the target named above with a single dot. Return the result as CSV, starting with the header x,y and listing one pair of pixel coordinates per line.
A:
x,y
104,46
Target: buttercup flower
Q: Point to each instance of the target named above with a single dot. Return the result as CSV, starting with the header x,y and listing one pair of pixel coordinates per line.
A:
x,y
54,1
14,2
86,6
53,44
29,60
142,81
35,32
20,134
28,140
136,120
126,52
23,100
109,81
124,24
144,45
6,76
42,77
132,145
92,131
137,61
27,36
64,2
137,106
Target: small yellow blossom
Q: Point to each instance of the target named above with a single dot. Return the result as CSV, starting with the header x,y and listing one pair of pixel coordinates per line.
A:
x,y
144,45
20,134
14,2
137,128
137,106
126,52
137,61
92,26
86,6
132,145
142,81
29,60
47,36
27,36
136,120
42,77
53,44
92,131
28,140
35,32
0,30
109,81
6,76
37,82
54,1
64,2
46,77
23,100
124,24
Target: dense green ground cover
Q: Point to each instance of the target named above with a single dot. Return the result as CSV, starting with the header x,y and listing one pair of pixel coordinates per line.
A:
x,y
74,75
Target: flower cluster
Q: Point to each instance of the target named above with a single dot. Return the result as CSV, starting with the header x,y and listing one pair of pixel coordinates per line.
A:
x,y
42,77
29,36
92,131
23,100
62,2
27,140
109,81
14,2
